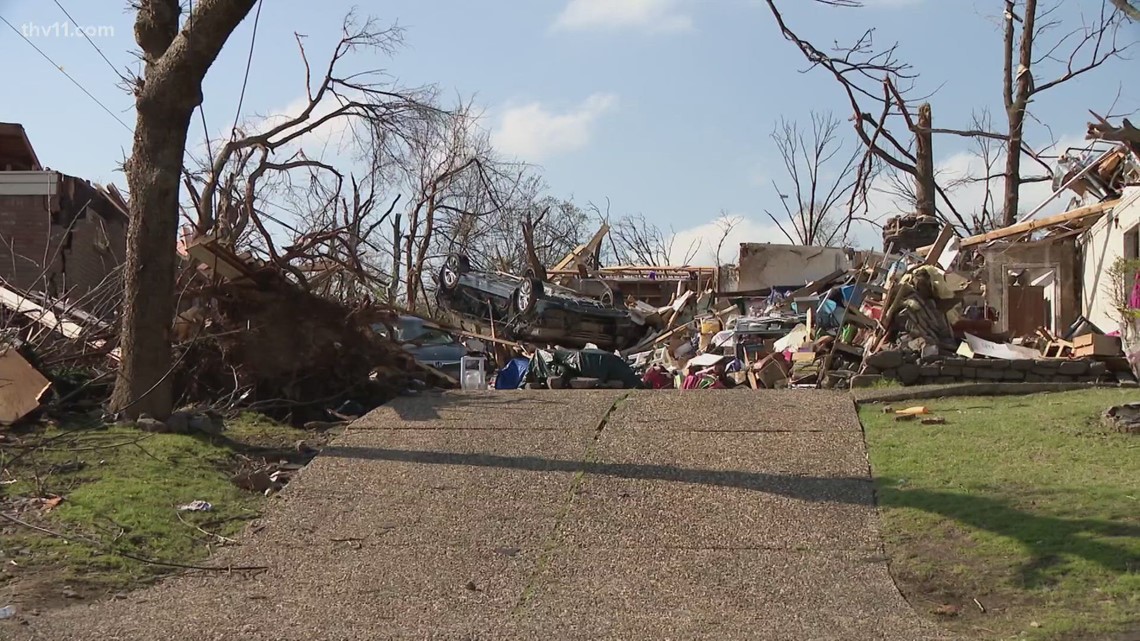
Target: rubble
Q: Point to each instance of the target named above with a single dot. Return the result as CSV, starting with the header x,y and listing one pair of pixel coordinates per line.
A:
x,y
932,308
909,232
22,389
1123,418
919,314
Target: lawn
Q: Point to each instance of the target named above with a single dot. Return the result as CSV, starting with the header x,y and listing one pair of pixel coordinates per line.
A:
x,y
119,489
1017,518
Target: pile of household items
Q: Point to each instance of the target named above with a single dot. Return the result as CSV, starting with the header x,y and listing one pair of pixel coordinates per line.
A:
x,y
938,308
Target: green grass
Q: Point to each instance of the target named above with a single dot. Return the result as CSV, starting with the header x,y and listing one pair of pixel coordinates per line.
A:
x,y
1026,504
121,488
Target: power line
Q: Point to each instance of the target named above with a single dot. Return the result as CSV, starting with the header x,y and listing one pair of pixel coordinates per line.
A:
x,y
248,64
92,42
69,77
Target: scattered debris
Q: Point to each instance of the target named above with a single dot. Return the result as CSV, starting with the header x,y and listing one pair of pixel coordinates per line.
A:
x,y
7,612
933,420
196,506
947,610
913,411
1123,418
22,387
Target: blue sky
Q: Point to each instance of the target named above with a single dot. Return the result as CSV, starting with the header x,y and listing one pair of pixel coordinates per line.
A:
x,y
663,106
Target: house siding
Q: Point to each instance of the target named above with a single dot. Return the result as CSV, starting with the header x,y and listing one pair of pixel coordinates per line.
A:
x,y
1101,246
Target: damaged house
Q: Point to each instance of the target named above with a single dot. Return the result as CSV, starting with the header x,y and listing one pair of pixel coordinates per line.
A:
x,y
763,266
58,233
1114,236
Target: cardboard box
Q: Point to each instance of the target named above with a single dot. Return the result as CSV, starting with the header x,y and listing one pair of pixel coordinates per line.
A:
x,y
1097,345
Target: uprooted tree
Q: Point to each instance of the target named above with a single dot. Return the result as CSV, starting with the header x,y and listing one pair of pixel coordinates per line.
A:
x,y
1041,51
334,215
177,50
406,183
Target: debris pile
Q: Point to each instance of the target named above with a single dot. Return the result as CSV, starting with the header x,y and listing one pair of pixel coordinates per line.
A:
x,y
246,336
240,349
909,317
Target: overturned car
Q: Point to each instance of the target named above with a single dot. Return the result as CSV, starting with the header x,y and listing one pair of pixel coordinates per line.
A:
x,y
530,310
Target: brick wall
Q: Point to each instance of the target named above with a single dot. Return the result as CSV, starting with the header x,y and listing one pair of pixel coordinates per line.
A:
x,y
25,232
96,246
80,233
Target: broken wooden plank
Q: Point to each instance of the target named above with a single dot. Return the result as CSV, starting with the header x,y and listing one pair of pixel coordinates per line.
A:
x,y
220,260
972,347
1033,225
940,244
575,255
73,331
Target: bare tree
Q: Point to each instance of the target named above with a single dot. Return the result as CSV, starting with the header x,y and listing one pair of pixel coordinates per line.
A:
x,y
375,113
822,176
636,241
988,152
176,55
450,170
878,86
725,224
1026,54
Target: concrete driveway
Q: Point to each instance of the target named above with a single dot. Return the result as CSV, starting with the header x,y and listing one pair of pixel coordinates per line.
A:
x,y
554,515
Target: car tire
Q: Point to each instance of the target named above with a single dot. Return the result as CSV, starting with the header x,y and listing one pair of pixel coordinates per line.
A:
x,y
453,269
613,298
527,295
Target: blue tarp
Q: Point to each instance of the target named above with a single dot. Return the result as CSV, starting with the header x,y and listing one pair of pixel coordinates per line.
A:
x,y
511,376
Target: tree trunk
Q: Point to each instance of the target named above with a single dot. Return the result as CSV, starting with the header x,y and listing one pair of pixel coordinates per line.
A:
x,y
394,285
144,384
177,58
924,186
1021,81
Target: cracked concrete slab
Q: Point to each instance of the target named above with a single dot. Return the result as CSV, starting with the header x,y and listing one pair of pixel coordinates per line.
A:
x,y
715,594
694,515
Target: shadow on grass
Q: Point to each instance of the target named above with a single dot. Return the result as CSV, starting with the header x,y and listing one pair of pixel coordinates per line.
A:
x,y
1047,538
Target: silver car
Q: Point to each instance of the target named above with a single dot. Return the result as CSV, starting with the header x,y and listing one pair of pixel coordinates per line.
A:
x,y
427,342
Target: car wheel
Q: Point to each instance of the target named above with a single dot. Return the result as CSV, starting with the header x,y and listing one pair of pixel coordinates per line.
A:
x,y
456,266
527,295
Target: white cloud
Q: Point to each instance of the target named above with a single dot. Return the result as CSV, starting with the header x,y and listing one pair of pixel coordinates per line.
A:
x,y
533,132
701,241
699,244
969,197
331,136
656,16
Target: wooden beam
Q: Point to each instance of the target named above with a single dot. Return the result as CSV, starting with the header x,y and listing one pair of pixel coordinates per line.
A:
x,y
575,255
52,321
1033,225
939,245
